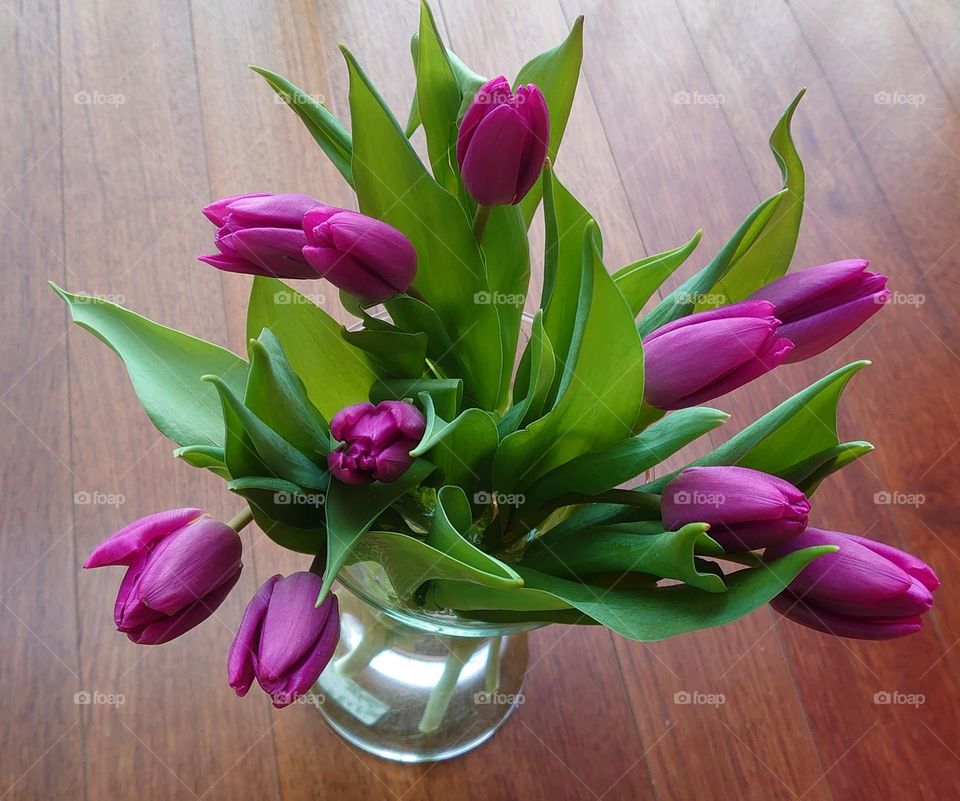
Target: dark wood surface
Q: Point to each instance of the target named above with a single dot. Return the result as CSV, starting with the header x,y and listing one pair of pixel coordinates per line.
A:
x,y
121,120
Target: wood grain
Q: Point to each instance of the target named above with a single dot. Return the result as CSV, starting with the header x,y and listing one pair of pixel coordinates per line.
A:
x,y
122,124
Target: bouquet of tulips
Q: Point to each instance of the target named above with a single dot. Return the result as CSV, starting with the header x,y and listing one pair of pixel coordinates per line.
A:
x,y
497,465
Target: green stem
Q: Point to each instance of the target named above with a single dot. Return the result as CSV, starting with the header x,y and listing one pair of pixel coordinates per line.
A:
x,y
376,639
480,222
240,520
491,673
460,650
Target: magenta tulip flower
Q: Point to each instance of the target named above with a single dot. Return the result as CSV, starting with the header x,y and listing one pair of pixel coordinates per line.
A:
x,y
358,254
702,356
820,306
746,509
502,144
285,640
180,566
376,441
866,590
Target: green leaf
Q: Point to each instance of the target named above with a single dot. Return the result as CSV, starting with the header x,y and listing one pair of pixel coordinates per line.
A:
x,y
768,257
639,281
409,563
693,291
534,381
787,436
352,510
617,549
438,101
445,393
817,468
323,126
645,615
334,373
593,411
287,504
566,223
557,73
293,538
468,80
397,353
165,367
279,398
281,459
597,472
210,457
465,456
452,520
393,186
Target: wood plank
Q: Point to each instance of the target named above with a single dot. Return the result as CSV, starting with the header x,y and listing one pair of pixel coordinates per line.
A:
x,y
41,739
134,177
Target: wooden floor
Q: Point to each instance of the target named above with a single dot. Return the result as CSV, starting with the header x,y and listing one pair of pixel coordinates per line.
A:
x,y
120,120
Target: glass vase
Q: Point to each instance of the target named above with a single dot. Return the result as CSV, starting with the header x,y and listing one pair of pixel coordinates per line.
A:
x,y
416,686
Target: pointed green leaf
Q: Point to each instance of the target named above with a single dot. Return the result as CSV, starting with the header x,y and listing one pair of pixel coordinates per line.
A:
x,y
639,281
165,367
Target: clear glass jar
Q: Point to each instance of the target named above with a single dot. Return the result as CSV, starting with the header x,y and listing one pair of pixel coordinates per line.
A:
x,y
416,686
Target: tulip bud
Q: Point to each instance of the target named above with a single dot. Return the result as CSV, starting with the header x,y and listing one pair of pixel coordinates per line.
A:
x,y
502,144
377,441
866,590
180,567
702,356
261,235
820,306
358,254
285,640
746,509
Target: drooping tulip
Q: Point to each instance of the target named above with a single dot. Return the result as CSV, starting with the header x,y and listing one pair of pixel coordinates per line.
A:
x,y
866,590
746,509
261,234
502,144
376,441
820,306
285,640
181,565
361,255
705,355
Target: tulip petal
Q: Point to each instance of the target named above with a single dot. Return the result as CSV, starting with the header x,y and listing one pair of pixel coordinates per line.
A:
x,y
383,249
812,617
393,461
218,211
491,168
122,547
348,274
292,624
907,562
486,99
242,657
533,108
343,422
281,211
818,332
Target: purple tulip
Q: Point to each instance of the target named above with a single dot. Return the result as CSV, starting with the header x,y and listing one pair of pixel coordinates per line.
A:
x,y
285,640
746,509
705,355
180,567
358,254
261,235
377,441
502,144
866,590
820,306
